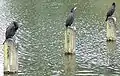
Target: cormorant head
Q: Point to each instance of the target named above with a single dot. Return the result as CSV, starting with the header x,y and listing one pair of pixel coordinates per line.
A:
x,y
73,9
113,4
15,24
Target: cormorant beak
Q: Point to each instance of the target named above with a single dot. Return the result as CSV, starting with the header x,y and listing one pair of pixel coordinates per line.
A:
x,y
75,8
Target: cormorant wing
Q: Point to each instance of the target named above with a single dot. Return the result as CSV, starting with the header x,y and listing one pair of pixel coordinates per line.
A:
x,y
10,31
70,19
111,11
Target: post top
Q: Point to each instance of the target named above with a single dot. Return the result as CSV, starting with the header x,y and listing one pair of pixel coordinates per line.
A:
x,y
112,18
73,28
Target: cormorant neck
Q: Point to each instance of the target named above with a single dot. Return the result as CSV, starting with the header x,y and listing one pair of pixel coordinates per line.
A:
x,y
16,27
71,11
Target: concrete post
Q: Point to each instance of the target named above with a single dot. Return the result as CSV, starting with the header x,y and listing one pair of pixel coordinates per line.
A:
x,y
70,40
111,29
10,57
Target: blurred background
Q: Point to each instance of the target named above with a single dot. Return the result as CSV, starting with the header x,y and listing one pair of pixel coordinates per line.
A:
x,y
40,40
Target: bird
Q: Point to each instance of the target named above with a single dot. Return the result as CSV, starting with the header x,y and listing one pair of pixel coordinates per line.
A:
x,y
11,30
70,17
111,11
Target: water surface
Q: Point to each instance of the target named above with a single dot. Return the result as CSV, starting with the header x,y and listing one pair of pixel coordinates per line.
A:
x,y
41,39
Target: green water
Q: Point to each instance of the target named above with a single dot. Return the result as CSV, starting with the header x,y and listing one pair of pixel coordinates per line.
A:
x,y
41,38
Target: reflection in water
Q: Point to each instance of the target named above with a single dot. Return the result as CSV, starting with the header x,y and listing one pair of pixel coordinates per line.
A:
x,y
16,74
109,68
111,48
69,63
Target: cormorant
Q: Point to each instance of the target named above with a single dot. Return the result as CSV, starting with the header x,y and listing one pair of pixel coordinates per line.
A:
x,y
111,11
11,30
70,17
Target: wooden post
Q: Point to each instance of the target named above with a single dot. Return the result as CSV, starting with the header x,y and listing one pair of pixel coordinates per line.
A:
x,y
111,29
70,40
10,57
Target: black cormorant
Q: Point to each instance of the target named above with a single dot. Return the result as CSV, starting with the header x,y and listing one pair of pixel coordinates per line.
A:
x,y
70,17
11,30
111,11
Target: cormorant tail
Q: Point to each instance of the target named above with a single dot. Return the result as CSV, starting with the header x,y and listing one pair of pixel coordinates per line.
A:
x,y
4,41
106,18
66,27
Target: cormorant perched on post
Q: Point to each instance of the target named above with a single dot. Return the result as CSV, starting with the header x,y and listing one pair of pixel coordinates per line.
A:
x,y
11,30
70,18
111,11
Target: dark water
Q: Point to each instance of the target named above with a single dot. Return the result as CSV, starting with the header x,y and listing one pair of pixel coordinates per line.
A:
x,y
41,38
